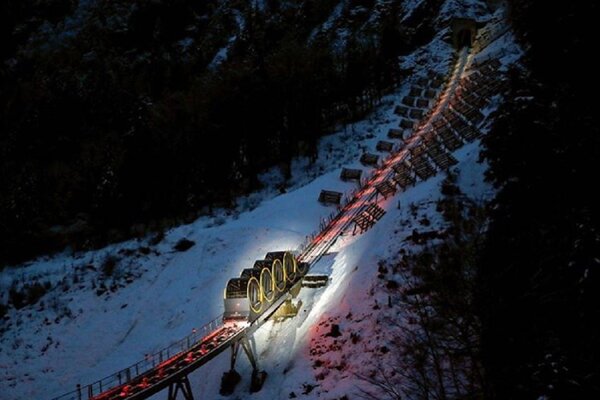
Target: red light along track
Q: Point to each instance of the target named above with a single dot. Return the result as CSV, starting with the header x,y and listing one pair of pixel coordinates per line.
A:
x,y
341,222
172,364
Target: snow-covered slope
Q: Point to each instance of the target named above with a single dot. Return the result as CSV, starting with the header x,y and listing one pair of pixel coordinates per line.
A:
x,y
330,365
90,325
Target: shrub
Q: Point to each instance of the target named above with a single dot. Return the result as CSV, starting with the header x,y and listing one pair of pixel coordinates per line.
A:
x,y
109,264
35,292
17,297
183,245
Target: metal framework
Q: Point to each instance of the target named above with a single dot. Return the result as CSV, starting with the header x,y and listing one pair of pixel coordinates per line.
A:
x,y
385,189
182,385
367,217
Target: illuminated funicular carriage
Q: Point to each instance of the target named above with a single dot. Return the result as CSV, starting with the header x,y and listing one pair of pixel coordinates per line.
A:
x,y
248,296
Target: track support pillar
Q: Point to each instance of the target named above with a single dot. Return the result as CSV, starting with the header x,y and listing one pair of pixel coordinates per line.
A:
x,y
231,378
182,385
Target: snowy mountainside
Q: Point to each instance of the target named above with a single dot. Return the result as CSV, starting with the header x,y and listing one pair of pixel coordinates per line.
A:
x,y
91,322
358,301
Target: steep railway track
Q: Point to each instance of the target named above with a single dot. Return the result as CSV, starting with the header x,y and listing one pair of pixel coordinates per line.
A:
x,y
169,367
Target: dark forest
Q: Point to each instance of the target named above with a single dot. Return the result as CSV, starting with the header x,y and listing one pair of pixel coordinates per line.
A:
x,y
121,123
539,275
114,127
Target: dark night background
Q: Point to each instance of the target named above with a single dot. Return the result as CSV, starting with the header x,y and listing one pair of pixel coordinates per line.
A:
x,y
105,132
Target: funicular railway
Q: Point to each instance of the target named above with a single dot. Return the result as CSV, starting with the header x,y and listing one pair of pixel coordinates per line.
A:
x,y
258,293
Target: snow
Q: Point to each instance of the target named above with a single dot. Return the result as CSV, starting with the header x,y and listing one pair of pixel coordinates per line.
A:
x,y
260,5
473,9
221,55
352,265
185,43
73,23
171,294
161,295
435,56
409,6
503,47
330,22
